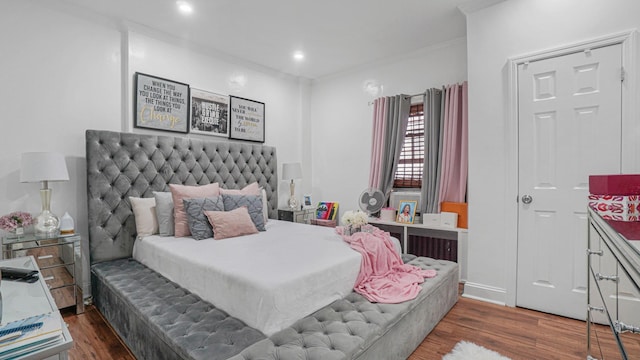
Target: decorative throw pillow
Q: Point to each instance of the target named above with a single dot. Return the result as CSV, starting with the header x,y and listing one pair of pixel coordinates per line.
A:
x,y
197,220
179,192
253,204
265,205
164,213
227,224
144,212
251,189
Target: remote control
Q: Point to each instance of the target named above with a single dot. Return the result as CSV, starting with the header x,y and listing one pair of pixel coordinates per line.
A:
x,y
10,273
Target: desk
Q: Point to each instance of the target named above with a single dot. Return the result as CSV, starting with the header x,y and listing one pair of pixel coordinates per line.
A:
x,y
21,300
460,235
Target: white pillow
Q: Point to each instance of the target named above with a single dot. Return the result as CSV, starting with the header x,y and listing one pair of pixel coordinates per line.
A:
x,y
144,212
164,213
265,206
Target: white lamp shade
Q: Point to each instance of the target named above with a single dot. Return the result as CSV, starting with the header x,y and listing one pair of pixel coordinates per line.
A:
x,y
291,171
43,166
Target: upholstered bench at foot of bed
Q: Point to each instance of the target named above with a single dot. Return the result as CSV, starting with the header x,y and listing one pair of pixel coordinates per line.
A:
x,y
136,300
354,328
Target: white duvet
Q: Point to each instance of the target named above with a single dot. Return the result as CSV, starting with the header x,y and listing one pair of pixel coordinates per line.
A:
x,y
268,280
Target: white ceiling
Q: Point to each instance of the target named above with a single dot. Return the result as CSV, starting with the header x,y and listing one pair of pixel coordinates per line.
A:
x,y
335,35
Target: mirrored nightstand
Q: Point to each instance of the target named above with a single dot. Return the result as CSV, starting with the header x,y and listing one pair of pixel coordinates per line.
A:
x,y
58,258
300,216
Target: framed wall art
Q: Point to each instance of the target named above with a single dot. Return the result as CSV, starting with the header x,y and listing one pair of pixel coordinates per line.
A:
x,y
161,104
246,119
209,113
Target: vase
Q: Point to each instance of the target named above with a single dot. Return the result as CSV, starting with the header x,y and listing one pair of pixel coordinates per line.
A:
x,y
19,231
350,230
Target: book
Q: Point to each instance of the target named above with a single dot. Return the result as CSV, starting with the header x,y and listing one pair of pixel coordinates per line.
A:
x,y
326,210
27,335
333,212
322,210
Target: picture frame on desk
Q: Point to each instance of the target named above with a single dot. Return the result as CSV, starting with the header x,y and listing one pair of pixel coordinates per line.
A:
x,y
406,212
306,201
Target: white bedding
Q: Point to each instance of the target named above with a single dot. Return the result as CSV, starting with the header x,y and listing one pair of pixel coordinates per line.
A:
x,y
268,280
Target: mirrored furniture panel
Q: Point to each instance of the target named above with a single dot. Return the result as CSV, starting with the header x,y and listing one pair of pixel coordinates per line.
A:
x,y
57,256
613,296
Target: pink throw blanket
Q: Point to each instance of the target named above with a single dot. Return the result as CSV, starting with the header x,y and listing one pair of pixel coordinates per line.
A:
x,y
383,277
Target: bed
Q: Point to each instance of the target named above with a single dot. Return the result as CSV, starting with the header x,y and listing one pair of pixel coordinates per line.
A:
x,y
159,318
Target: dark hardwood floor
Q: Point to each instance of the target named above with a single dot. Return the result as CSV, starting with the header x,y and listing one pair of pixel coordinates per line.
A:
x,y
514,332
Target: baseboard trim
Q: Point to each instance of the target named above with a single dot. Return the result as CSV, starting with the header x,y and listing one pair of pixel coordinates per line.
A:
x,y
484,293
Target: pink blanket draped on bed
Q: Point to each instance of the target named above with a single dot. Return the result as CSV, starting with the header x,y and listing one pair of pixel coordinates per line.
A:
x,y
383,277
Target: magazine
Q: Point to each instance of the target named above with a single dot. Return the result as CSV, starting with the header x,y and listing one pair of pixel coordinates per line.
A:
x,y
27,335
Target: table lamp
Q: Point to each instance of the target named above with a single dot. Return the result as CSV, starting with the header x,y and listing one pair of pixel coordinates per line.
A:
x,y
292,171
44,167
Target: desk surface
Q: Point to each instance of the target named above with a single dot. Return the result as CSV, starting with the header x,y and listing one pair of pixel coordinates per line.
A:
x,y
421,226
21,300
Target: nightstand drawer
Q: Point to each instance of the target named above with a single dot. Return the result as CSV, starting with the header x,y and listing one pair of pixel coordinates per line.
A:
x,y
299,216
51,254
58,276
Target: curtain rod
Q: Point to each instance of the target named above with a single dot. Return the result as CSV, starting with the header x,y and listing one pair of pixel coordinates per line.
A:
x,y
406,97
414,95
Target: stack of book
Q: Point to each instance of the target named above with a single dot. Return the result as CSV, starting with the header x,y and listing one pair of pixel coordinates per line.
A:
x,y
25,336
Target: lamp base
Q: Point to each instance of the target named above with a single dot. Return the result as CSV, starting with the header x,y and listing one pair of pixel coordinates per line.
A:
x,y
47,223
293,203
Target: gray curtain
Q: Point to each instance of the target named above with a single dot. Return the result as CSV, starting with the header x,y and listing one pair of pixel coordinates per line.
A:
x,y
395,128
432,150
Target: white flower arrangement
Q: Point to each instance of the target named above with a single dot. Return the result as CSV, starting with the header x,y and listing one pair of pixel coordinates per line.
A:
x,y
354,218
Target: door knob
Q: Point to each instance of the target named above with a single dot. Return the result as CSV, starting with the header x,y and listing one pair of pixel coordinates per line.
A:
x,y
527,199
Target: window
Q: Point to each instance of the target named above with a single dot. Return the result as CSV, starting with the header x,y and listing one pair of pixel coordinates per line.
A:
x,y
409,172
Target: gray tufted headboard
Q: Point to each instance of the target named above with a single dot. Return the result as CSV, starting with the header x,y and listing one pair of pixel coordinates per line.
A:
x,y
120,165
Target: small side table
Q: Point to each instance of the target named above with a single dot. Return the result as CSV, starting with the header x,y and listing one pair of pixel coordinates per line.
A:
x,y
303,216
21,300
57,257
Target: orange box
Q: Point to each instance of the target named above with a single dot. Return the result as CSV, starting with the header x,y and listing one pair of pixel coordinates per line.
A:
x,y
458,208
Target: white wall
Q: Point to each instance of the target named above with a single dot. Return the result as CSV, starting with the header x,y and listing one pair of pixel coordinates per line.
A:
x,y
341,115
60,75
64,71
284,104
495,34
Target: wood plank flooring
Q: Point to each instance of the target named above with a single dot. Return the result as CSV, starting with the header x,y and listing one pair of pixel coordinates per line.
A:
x,y
514,332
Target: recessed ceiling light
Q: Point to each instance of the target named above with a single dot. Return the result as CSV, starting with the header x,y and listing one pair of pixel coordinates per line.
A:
x,y
184,7
298,56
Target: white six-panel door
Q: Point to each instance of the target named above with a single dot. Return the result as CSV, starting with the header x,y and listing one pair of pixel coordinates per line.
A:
x,y
569,126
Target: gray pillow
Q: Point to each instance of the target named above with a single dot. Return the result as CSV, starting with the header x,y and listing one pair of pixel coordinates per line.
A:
x,y
196,218
253,204
164,213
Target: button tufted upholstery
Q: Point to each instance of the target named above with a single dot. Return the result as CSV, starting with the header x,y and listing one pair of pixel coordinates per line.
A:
x,y
120,165
349,328
130,295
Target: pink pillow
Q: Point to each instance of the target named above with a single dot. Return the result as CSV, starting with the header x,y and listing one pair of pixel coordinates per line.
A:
x,y
227,224
251,189
179,192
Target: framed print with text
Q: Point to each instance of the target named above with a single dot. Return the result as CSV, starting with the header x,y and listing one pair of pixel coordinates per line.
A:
x,y
161,104
209,113
246,119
